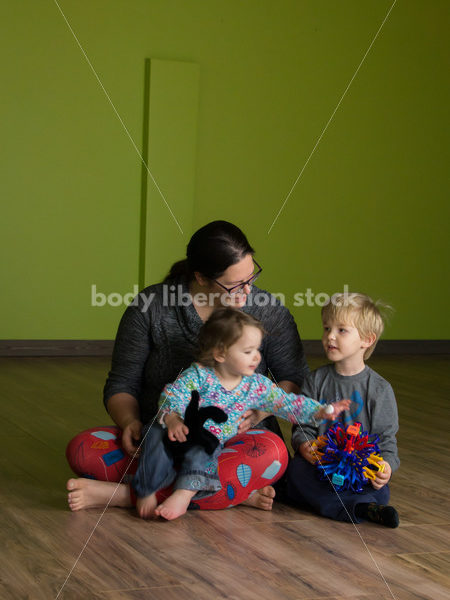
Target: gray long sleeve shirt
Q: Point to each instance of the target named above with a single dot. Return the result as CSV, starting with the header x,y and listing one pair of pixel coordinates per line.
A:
x,y
373,405
157,336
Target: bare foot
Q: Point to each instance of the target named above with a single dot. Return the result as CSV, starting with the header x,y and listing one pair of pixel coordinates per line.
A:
x,y
89,493
262,498
175,505
146,506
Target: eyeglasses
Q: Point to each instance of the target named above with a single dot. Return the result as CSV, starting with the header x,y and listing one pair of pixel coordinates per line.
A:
x,y
239,288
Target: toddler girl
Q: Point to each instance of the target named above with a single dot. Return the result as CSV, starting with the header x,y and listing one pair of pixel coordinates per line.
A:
x,y
225,377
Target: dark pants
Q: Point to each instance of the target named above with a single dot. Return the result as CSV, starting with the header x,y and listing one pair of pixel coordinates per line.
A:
x,y
304,487
156,470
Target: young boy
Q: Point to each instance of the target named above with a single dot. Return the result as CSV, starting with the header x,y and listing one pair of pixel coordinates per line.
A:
x,y
352,325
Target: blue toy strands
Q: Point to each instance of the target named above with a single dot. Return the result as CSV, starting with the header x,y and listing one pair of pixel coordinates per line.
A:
x,y
344,456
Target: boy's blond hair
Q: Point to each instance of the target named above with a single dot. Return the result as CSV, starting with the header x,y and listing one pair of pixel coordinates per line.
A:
x,y
357,310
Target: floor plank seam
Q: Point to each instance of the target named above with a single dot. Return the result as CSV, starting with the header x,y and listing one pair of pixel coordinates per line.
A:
x,y
431,552
140,589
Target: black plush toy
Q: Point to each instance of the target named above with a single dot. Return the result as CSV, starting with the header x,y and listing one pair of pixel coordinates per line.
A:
x,y
194,419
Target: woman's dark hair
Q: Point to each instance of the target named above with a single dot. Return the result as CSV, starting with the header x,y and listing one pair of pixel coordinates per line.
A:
x,y
211,250
223,329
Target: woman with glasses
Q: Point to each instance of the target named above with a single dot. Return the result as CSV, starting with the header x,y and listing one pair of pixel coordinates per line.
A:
x,y
156,340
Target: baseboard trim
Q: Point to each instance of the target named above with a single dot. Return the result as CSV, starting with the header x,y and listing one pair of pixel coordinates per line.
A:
x,y
56,347
104,347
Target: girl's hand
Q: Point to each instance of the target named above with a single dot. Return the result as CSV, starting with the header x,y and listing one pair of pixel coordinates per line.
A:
x,y
306,451
176,429
382,477
332,411
251,418
131,437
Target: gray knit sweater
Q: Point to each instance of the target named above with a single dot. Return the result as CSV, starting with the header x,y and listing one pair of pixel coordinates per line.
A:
x,y
156,341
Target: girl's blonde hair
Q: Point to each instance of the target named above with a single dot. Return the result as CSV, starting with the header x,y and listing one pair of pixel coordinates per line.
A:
x,y
223,329
360,311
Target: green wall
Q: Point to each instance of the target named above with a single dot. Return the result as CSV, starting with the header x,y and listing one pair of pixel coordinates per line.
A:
x,y
370,209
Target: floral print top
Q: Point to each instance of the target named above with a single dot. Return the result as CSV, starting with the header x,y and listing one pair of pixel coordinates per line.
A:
x,y
255,391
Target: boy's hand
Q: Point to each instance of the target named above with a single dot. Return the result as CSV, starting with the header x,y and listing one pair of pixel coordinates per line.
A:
x,y
382,477
306,451
251,418
176,429
332,411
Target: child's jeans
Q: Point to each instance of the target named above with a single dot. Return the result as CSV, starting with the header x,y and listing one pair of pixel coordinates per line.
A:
x,y
304,487
156,468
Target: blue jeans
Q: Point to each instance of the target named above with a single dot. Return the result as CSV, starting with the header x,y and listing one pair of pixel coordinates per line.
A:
x,y
156,468
305,488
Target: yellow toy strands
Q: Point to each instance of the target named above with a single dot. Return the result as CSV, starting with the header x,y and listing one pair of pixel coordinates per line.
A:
x,y
369,473
317,454
377,461
321,441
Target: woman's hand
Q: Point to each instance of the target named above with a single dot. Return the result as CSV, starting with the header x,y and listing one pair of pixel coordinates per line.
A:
x,y
124,411
332,411
131,437
251,418
306,451
382,477
176,429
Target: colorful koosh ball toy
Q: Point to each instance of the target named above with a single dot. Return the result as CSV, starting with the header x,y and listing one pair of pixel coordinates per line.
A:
x,y
348,457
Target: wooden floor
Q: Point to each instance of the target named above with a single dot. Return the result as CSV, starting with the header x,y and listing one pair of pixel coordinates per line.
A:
x,y
240,553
